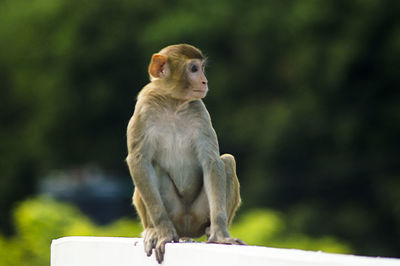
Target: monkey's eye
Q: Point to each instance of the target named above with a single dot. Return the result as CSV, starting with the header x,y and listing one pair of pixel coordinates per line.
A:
x,y
194,68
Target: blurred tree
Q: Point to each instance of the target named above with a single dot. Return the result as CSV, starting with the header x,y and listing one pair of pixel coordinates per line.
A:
x,y
40,220
304,93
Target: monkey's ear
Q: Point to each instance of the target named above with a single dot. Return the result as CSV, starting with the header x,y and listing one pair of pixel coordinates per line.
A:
x,y
158,61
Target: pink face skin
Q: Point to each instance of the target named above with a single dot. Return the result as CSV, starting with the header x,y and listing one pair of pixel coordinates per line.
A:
x,y
197,79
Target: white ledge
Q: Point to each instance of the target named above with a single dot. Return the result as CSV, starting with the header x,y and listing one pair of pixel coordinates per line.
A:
x,y
119,251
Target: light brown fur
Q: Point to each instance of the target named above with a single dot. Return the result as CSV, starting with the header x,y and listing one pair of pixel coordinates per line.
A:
x,y
183,187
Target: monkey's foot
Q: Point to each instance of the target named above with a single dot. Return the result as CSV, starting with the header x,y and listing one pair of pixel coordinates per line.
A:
x,y
186,240
227,241
207,232
221,238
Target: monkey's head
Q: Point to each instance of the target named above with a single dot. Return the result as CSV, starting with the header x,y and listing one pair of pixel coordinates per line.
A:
x,y
180,69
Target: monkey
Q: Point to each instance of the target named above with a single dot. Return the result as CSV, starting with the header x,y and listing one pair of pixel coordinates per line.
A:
x,y
184,188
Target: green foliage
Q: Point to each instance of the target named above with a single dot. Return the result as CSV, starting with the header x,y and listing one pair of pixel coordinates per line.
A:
x,y
40,220
268,228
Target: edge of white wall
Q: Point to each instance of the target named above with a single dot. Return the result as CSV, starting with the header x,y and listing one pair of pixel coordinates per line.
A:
x,y
120,251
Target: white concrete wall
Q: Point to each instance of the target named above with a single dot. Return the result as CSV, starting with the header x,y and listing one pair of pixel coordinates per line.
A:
x,y
118,251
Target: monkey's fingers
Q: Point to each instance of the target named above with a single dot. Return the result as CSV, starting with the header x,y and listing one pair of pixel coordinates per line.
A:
x,y
240,242
228,241
160,251
149,245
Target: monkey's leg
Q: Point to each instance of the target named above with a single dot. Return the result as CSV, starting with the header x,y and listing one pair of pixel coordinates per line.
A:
x,y
199,215
141,209
232,187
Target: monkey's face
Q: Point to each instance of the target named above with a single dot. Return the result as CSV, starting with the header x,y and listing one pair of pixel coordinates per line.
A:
x,y
197,81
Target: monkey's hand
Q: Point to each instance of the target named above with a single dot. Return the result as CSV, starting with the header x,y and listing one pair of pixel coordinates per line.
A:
x,y
156,238
223,237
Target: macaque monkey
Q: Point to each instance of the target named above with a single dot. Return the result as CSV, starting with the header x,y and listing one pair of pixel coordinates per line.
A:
x,y
183,187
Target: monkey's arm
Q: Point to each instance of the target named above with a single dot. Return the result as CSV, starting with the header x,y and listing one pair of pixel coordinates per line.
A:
x,y
214,178
143,173
146,181
215,187
161,230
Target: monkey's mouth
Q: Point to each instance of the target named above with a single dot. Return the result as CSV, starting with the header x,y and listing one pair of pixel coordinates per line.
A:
x,y
201,90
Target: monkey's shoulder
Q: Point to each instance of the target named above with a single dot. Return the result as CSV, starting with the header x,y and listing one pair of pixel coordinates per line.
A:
x,y
158,104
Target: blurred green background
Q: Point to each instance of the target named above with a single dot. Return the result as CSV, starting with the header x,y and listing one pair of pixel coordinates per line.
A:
x,y
305,94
